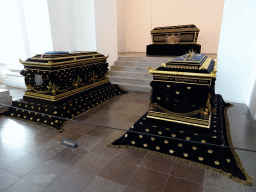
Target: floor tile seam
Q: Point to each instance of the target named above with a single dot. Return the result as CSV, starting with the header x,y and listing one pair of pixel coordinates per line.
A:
x,y
166,182
28,172
189,180
154,170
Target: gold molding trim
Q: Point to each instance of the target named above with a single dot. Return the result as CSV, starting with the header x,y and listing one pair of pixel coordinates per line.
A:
x,y
65,63
211,75
181,120
64,95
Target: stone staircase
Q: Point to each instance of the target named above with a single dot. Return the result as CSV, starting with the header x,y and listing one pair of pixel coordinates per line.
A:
x,y
131,73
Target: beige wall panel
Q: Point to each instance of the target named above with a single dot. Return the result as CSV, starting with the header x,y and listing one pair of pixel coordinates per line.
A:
x,y
138,25
205,14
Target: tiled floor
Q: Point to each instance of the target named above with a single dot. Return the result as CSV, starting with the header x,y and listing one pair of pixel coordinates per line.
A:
x,y
32,158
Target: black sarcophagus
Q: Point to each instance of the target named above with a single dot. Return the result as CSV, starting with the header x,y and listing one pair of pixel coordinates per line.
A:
x,y
181,34
174,40
183,90
61,86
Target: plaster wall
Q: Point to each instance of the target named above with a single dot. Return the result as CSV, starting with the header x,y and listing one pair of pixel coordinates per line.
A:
x,y
121,26
144,15
36,22
106,28
236,53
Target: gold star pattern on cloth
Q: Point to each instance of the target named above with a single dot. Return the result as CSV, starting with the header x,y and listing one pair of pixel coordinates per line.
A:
x,y
145,145
171,151
210,151
185,154
185,144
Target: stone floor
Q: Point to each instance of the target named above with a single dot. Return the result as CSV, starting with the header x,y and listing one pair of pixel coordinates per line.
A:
x,y
33,159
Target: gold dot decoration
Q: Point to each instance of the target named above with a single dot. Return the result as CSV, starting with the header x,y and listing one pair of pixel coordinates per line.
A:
x,y
152,138
228,160
200,158
145,144
126,135
166,141
194,148
158,98
18,115
173,135
160,132
180,144
181,131
203,141
168,129
214,137
185,154
210,151
133,142
195,133
38,119
171,151
45,121
216,162
140,136
141,123
31,118
215,131
25,117
188,138
51,123
157,147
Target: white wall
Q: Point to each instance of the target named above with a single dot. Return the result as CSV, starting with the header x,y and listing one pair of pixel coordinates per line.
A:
x,y
121,25
106,28
237,52
61,25
84,20
144,15
11,34
36,22
138,25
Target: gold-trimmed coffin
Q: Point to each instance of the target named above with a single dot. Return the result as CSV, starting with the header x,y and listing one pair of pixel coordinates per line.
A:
x,y
181,34
56,76
175,75
184,77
